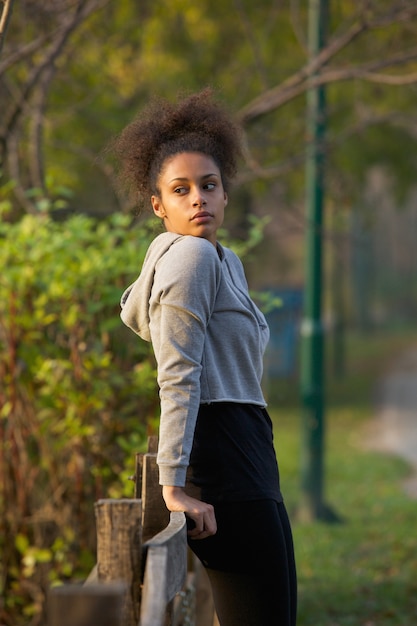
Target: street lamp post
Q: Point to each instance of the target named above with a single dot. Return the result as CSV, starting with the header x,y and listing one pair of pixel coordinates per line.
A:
x,y
312,333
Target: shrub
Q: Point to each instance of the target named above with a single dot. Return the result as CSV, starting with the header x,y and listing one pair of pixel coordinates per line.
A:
x,y
77,396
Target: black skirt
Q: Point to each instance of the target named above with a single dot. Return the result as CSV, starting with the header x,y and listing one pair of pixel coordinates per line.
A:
x,y
233,456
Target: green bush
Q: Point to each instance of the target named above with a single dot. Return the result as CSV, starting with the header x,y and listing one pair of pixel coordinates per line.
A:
x,y
77,396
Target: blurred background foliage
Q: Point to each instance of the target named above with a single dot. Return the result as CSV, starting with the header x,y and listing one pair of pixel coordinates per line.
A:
x,y
77,395
77,391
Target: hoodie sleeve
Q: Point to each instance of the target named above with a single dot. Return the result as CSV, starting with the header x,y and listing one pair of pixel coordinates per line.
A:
x,y
183,295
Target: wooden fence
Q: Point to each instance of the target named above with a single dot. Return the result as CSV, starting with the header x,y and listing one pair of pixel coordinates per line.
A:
x,y
145,575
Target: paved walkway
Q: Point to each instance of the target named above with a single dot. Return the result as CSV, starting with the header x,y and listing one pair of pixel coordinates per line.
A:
x,y
394,429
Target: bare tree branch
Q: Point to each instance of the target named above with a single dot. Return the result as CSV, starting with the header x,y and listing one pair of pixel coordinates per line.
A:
x,y
391,79
36,159
13,165
4,19
83,10
309,75
32,99
24,51
365,72
267,101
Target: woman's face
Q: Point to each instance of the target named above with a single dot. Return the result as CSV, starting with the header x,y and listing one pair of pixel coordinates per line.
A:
x,y
191,199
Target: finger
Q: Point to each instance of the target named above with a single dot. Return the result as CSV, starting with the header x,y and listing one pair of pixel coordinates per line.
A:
x,y
203,535
210,523
206,528
195,525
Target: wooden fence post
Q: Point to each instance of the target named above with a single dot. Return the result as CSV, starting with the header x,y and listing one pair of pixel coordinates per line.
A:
x,y
92,605
119,549
127,531
166,570
155,515
165,548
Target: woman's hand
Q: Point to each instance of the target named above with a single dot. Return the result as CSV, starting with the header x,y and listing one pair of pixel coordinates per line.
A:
x,y
200,512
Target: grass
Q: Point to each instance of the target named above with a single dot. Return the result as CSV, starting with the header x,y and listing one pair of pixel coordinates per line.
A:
x,y
363,571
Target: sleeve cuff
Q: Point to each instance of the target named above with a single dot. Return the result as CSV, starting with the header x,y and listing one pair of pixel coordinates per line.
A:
x,y
172,476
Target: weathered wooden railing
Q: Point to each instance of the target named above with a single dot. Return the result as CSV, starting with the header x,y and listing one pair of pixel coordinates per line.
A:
x,y
145,575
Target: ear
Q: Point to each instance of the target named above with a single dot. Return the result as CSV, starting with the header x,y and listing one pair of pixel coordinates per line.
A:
x,y
226,199
158,207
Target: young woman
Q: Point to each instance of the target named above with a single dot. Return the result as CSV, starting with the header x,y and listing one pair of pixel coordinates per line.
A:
x,y
216,457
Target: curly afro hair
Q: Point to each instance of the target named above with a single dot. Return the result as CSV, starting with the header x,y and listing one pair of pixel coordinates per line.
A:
x,y
195,124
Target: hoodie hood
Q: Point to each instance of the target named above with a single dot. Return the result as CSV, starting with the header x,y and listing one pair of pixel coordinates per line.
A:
x,y
135,300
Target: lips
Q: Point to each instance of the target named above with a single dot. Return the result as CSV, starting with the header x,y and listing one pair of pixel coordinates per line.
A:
x,y
201,215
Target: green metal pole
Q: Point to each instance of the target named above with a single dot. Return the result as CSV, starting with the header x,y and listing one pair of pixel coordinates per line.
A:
x,y
312,340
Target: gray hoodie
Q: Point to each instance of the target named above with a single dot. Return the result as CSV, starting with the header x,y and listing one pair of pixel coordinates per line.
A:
x,y
191,301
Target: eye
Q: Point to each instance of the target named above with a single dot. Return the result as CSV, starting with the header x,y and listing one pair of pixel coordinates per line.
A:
x,y
210,186
180,190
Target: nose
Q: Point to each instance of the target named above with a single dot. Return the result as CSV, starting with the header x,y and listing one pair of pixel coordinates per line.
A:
x,y
198,198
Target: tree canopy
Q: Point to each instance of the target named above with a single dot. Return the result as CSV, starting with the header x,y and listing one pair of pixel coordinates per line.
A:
x,y
72,74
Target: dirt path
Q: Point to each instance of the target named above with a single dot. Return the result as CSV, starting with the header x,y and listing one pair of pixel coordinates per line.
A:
x,y
394,428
